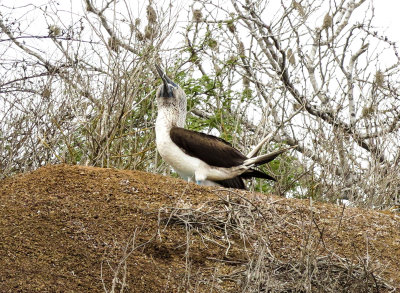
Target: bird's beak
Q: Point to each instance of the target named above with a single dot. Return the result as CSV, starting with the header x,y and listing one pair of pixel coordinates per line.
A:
x,y
168,83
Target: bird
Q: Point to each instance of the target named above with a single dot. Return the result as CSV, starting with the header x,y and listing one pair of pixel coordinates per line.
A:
x,y
204,158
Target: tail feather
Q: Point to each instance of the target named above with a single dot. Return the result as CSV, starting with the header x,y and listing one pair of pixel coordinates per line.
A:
x,y
235,182
255,151
257,174
263,159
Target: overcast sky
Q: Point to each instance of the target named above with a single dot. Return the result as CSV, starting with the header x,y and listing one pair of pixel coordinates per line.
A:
x,y
386,11
387,17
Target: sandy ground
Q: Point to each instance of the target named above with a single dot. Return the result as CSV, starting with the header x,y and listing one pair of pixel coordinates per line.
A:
x,y
83,229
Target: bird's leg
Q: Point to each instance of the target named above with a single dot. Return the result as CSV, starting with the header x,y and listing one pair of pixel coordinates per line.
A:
x,y
185,177
199,177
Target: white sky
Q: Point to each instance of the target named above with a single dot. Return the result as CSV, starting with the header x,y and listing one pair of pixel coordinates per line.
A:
x,y
387,17
387,11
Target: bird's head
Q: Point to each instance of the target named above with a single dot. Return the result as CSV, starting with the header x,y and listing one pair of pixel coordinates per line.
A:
x,y
166,90
169,90
171,100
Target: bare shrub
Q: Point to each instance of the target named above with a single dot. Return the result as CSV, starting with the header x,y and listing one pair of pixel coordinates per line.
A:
x,y
318,75
87,99
301,263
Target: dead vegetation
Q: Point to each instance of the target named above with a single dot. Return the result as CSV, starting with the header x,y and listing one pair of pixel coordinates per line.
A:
x,y
103,230
308,266
77,86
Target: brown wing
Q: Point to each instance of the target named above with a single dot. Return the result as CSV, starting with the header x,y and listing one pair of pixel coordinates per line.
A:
x,y
208,148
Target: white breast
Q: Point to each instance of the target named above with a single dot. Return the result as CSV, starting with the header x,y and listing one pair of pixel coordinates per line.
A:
x,y
183,164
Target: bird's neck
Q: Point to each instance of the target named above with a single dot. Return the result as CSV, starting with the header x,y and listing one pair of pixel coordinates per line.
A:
x,y
170,117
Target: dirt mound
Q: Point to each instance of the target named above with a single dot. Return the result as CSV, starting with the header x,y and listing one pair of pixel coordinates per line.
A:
x,y
83,229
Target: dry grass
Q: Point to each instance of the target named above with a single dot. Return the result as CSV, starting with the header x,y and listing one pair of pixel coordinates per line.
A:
x,y
234,220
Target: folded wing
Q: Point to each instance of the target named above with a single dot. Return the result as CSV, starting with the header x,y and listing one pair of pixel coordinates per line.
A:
x,y
210,149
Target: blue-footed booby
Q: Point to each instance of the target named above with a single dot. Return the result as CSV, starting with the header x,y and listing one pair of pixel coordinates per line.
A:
x,y
207,159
